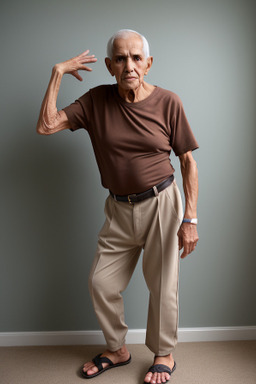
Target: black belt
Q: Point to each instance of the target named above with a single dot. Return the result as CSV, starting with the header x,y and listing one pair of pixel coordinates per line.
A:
x,y
136,197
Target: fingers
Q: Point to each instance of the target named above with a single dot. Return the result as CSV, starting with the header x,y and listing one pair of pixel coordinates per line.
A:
x,y
83,58
76,75
73,65
188,248
180,243
86,68
85,52
180,238
188,238
88,59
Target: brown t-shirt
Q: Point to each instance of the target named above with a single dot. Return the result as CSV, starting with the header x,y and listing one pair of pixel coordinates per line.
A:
x,y
132,142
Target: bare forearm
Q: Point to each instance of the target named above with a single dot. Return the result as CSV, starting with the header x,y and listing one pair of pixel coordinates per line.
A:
x,y
188,236
190,185
49,113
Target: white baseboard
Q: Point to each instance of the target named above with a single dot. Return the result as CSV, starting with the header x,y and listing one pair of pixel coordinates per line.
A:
x,y
135,336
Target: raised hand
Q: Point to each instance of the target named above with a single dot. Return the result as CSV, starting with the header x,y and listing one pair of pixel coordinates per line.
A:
x,y
72,66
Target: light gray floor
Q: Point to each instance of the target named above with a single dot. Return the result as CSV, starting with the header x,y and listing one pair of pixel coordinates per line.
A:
x,y
197,363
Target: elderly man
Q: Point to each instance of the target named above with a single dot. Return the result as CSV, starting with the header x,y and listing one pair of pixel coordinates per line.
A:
x,y
133,127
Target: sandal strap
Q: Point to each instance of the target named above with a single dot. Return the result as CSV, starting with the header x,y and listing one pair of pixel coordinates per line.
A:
x,y
160,368
98,360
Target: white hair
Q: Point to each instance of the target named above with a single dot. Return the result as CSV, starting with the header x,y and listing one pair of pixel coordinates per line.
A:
x,y
123,34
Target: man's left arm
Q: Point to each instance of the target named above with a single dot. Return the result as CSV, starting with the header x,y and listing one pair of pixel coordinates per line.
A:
x,y
188,236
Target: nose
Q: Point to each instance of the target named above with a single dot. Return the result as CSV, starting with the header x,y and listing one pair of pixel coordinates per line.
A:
x,y
128,66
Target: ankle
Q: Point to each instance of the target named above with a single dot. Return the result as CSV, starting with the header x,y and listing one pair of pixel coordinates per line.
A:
x,y
122,351
164,357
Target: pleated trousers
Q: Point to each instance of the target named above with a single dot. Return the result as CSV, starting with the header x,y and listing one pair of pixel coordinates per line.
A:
x,y
150,225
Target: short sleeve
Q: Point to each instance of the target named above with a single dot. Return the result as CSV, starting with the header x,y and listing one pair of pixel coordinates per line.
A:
x,y
78,113
182,138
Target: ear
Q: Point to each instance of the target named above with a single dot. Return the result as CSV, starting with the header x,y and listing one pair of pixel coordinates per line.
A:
x,y
108,65
149,64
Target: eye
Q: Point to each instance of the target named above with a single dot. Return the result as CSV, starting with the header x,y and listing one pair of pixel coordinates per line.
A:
x,y
137,58
119,59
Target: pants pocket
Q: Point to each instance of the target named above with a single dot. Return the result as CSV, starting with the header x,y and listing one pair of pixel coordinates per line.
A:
x,y
173,194
108,210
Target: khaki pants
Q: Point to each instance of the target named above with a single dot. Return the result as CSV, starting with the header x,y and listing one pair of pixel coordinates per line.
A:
x,y
151,225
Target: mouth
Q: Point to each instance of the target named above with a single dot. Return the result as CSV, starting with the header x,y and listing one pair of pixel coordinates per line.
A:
x,y
130,78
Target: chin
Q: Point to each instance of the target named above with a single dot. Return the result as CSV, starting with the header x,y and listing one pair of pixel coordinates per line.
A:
x,y
130,86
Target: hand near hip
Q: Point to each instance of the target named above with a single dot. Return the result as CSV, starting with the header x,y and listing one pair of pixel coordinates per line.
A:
x,y
72,66
188,238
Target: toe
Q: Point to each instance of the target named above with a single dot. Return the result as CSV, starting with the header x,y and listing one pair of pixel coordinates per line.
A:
x,y
87,366
154,379
90,369
148,377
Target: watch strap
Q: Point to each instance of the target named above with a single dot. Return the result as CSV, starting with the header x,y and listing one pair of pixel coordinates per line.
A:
x,y
191,221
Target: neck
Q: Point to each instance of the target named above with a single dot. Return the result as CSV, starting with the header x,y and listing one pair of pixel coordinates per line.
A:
x,y
138,94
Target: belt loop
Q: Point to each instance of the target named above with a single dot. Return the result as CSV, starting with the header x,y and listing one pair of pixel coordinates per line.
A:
x,y
155,191
115,197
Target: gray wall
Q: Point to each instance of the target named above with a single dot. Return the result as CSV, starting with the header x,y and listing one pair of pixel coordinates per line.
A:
x,y
51,197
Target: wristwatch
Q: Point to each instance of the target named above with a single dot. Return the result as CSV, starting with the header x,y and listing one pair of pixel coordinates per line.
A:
x,y
191,221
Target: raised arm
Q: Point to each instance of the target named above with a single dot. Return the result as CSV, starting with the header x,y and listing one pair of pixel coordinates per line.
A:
x,y
50,119
188,236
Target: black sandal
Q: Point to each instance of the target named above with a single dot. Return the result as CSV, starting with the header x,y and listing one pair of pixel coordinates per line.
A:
x,y
98,360
161,368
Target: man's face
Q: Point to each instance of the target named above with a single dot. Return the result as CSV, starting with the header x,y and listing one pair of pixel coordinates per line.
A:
x,y
128,63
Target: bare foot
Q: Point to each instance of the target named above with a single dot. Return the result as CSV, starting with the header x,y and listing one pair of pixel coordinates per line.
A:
x,y
158,378
119,356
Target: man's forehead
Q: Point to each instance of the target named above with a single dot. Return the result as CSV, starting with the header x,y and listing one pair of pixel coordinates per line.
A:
x,y
132,44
